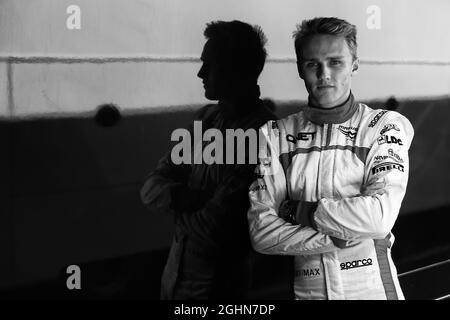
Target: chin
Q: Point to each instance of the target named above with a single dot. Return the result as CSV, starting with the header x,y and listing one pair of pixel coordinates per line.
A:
x,y
325,103
323,100
327,100
211,97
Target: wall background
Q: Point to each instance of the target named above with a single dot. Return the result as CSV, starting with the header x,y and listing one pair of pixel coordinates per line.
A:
x,y
69,189
159,42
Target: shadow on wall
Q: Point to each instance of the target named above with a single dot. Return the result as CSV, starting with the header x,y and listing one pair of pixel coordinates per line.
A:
x,y
73,191
73,198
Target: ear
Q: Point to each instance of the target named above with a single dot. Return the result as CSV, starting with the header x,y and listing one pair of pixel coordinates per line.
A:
x,y
355,66
299,69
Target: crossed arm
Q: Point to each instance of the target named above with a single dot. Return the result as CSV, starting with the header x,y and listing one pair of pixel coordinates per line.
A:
x,y
201,214
279,225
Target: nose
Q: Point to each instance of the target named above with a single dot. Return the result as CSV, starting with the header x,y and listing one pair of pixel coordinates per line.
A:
x,y
201,72
323,72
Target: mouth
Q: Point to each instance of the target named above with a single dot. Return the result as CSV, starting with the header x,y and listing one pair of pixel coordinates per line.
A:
x,y
325,87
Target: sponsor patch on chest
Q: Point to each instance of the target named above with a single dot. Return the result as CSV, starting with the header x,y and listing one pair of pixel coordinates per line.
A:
x,y
301,136
348,132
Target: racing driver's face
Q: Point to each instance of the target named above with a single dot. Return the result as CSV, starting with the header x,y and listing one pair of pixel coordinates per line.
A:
x,y
326,65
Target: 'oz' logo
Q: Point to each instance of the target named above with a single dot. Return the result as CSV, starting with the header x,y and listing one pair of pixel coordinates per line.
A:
x,y
395,156
303,136
389,139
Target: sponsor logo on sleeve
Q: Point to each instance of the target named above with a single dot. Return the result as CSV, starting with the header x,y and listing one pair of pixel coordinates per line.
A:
x,y
386,166
356,264
391,155
389,139
348,132
388,127
395,156
377,118
380,158
301,136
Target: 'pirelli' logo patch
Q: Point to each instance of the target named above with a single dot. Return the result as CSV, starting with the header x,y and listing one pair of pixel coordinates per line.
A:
x,y
386,166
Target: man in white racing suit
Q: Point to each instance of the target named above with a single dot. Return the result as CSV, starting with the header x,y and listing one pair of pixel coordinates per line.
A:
x,y
331,178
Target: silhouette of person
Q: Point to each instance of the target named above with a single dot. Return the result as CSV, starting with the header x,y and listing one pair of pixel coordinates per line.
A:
x,y
210,253
343,172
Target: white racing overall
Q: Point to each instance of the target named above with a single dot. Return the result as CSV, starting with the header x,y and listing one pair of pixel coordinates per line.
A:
x,y
331,163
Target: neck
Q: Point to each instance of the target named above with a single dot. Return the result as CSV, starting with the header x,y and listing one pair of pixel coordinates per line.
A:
x,y
242,100
337,114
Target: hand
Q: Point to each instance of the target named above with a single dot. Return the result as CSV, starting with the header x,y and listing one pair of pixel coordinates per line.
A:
x,y
298,212
287,211
341,244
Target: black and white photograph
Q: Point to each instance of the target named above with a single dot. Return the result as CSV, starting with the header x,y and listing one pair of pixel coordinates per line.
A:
x,y
241,152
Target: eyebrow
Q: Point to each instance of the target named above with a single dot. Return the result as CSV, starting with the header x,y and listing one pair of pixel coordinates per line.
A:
x,y
314,59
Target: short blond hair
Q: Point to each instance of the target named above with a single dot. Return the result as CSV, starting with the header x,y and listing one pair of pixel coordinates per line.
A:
x,y
325,25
